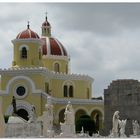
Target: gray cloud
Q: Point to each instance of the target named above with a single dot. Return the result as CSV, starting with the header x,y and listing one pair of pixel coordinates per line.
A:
x,y
102,39
103,19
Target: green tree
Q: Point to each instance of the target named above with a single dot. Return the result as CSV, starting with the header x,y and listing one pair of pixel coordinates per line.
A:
x,y
6,117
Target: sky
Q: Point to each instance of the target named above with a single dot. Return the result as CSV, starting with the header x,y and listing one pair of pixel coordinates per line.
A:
x,y
102,39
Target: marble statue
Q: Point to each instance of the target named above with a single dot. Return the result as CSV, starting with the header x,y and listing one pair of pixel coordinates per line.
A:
x,y
136,127
68,127
48,119
122,128
32,116
2,121
69,114
115,122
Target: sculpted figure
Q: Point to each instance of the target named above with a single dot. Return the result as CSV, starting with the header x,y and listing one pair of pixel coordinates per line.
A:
x,y
136,127
32,116
116,121
48,119
49,113
68,127
122,128
69,114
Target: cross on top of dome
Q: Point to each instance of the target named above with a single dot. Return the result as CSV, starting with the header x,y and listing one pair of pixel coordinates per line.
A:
x,y
46,15
28,25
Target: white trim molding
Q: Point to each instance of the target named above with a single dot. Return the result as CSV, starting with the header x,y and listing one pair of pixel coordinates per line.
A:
x,y
7,91
56,57
22,46
15,91
100,109
81,108
31,40
45,71
72,100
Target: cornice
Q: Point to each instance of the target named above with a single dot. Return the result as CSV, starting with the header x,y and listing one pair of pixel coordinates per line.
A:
x,y
73,100
31,40
56,57
44,71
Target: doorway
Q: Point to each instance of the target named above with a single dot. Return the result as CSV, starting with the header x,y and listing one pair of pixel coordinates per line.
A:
x,y
23,113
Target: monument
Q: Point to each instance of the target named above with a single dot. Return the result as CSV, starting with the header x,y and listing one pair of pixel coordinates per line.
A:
x,y
122,128
136,128
48,119
115,124
118,126
68,127
32,116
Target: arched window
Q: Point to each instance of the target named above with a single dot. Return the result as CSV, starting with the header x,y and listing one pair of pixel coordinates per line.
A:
x,y
47,88
56,67
24,53
68,90
65,91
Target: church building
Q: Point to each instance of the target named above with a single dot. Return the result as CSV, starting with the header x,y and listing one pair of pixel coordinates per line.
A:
x,y
40,68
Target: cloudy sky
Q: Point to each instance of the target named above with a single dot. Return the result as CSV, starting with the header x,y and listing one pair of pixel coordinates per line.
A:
x,y
102,39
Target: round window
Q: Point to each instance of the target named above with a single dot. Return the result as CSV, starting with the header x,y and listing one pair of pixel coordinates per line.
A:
x,y
20,91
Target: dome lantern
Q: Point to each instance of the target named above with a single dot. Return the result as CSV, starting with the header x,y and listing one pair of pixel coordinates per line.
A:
x,y
46,27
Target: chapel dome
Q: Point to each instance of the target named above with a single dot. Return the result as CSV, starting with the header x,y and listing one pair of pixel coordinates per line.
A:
x,y
52,46
28,33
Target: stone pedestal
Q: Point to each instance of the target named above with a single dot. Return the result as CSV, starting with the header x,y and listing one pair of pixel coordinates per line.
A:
x,y
50,134
68,130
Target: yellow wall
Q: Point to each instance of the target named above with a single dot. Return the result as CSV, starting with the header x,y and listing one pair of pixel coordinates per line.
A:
x,y
49,63
32,98
32,53
80,88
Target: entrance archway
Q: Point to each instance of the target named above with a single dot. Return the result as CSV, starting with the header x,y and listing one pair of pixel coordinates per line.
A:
x,y
79,113
96,115
61,115
23,113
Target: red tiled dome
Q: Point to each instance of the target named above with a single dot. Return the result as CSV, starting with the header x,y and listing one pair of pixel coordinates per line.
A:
x,y
52,46
28,33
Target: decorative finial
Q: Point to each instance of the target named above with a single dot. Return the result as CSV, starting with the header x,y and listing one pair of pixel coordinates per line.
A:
x,y
28,25
46,14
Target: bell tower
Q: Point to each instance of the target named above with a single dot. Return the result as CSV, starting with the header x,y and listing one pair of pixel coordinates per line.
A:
x,y
27,49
